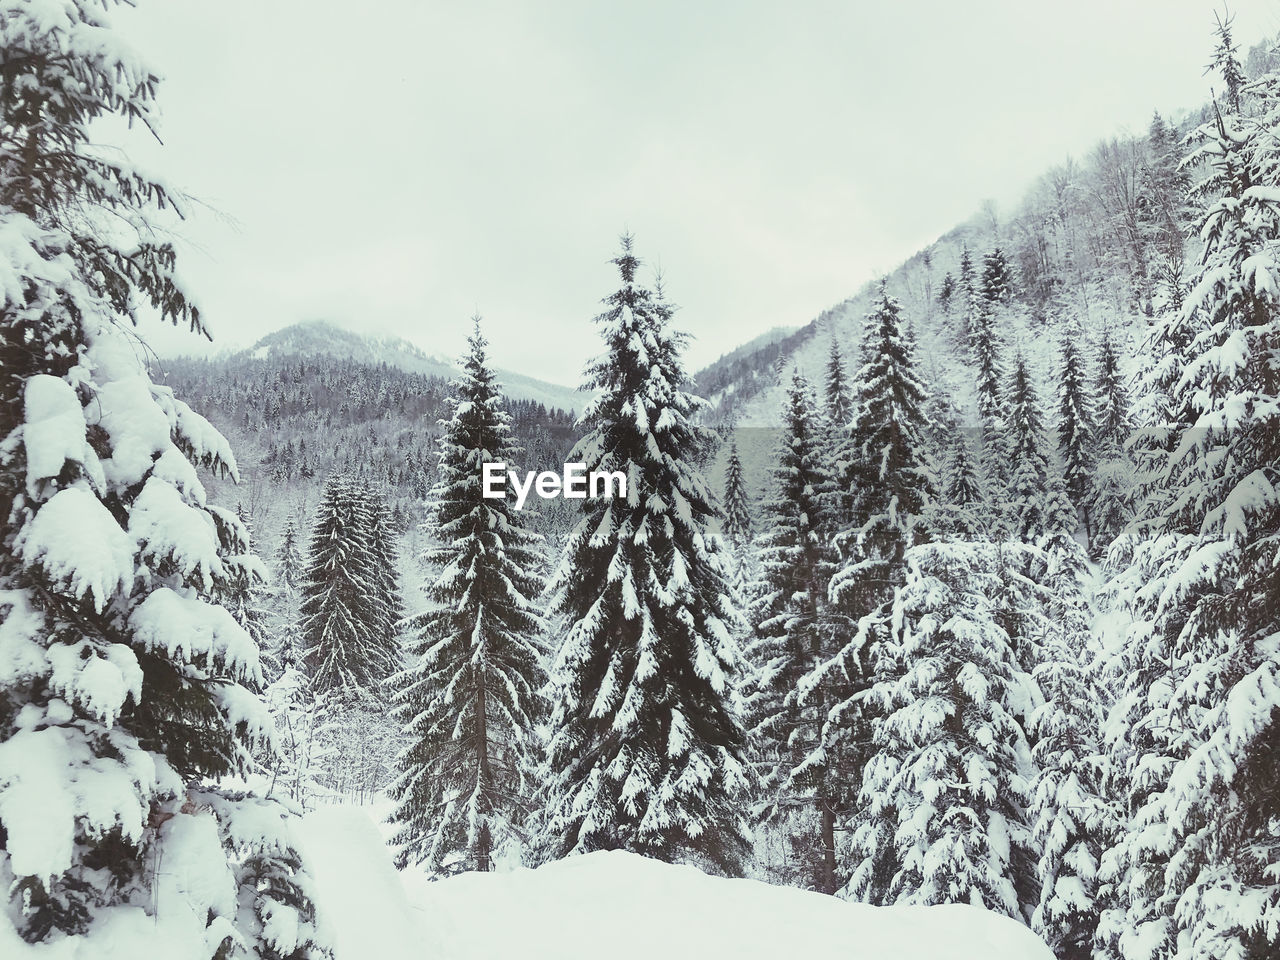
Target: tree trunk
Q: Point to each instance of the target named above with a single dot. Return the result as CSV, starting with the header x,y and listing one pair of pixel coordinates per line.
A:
x,y
484,840
828,879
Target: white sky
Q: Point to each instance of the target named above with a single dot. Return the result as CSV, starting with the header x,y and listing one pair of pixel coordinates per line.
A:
x,y
398,165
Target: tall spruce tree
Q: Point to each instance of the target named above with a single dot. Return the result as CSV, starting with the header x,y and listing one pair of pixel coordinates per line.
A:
x,y
891,491
1198,724
997,278
124,700
470,701
1114,479
970,296
990,373
1069,812
1026,444
885,461
1112,399
793,634
345,650
647,752
287,599
839,404
961,511
737,516
1075,424
387,606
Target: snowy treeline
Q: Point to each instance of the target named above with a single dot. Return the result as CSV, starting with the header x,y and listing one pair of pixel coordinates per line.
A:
x,y
989,645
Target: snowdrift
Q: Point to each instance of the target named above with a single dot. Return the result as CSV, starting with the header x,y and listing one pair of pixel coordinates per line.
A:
x,y
603,906
618,906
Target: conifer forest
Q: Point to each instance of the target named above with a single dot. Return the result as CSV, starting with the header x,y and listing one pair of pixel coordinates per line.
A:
x,y
944,624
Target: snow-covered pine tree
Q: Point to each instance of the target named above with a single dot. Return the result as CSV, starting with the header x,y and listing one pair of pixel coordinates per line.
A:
x,y
1069,815
1165,212
287,598
1114,481
961,512
123,683
470,698
737,515
970,296
1075,424
942,815
1196,874
985,349
884,460
1226,62
384,573
997,279
1111,396
1025,445
892,491
793,633
839,405
344,648
647,752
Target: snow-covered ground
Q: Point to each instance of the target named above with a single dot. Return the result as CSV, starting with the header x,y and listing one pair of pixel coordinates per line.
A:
x,y
603,906
617,906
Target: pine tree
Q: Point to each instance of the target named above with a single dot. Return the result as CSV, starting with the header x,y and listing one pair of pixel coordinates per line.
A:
x,y
839,406
342,622
885,456
1029,467
289,570
943,795
647,753
1114,478
1112,413
961,512
124,684
971,296
794,634
985,346
1069,814
947,292
1197,719
383,556
997,279
892,491
737,518
470,702
1075,424
1226,61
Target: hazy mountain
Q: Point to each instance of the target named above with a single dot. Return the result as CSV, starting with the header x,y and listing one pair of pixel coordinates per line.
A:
x,y
321,338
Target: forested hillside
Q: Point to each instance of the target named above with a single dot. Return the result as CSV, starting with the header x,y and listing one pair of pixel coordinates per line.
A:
x,y
297,418
1103,241
959,603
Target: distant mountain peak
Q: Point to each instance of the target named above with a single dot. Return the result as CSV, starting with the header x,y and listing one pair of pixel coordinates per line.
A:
x,y
324,338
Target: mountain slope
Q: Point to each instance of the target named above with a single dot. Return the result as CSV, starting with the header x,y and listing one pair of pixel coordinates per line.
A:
x,y
320,338
1098,245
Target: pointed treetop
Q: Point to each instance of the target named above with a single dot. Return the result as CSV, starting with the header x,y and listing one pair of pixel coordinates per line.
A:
x,y
627,261
1226,60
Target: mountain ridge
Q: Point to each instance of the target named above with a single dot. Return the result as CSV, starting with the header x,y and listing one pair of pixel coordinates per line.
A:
x,y
311,338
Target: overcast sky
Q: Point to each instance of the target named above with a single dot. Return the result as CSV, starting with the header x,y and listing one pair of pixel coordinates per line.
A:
x,y
398,165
